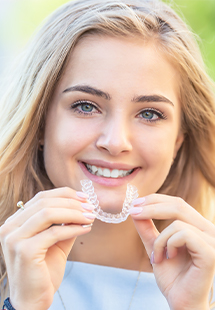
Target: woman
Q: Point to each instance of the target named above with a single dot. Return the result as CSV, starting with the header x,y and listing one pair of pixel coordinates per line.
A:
x,y
114,92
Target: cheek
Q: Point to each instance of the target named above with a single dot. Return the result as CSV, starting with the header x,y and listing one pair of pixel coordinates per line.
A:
x,y
156,155
64,143
157,144
156,164
64,139
157,160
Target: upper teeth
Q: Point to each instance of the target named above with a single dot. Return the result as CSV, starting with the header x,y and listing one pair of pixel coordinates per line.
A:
x,y
107,173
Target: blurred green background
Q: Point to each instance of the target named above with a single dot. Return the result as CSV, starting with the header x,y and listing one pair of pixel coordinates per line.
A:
x,y
20,18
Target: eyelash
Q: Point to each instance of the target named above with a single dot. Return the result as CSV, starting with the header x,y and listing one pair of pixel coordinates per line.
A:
x,y
160,114
76,107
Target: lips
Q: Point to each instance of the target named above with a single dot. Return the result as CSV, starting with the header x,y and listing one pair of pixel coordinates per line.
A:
x,y
108,174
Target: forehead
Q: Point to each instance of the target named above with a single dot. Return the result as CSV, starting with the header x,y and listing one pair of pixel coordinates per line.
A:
x,y
110,62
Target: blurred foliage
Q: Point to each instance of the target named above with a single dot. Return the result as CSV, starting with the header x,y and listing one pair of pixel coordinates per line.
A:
x,y
25,15
200,16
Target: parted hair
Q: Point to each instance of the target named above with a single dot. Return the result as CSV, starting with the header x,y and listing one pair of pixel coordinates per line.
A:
x,y
25,100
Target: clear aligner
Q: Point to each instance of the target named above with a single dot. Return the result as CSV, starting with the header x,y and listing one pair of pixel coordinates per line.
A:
x,y
131,194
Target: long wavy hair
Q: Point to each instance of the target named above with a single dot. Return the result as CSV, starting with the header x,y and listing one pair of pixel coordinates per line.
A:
x,y
26,99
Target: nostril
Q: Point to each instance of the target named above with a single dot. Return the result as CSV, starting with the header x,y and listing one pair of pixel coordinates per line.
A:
x,y
114,144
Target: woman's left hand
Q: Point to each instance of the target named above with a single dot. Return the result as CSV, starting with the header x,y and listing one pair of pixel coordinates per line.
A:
x,y
183,254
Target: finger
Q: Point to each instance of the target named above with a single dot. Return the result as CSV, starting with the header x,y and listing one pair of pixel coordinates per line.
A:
x,y
64,203
147,232
202,254
63,236
160,243
48,216
64,192
163,207
154,198
37,246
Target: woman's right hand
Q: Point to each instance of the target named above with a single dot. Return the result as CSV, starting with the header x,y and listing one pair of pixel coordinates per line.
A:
x,y
36,250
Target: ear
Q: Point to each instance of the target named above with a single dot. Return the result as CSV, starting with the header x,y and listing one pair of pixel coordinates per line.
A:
x,y
41,142
41,139
178,143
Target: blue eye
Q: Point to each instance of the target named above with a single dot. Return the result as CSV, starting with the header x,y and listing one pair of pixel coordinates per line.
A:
x,y
147,114
151,115
84,107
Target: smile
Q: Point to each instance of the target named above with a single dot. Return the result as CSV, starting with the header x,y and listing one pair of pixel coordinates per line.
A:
x,y
107,173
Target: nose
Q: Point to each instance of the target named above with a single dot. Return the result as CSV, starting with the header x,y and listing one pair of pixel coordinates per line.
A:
x,y
115,137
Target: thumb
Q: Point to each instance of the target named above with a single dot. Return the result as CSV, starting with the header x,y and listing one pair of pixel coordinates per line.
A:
x,y
147,232
66,245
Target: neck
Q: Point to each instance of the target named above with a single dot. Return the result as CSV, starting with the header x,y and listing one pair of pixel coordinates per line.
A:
x,y
115,245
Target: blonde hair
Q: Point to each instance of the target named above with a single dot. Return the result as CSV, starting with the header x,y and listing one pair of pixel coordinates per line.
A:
x,y
24,106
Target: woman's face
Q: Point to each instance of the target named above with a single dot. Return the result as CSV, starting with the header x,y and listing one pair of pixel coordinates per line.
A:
x,y
114,119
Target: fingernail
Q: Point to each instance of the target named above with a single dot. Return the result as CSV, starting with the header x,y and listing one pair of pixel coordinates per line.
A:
x,y
87,225
152,258
82,195
90,216
88,206
136,210
138,201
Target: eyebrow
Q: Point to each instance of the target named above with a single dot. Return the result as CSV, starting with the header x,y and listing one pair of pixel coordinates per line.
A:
x,y
95,91
89,90
152,98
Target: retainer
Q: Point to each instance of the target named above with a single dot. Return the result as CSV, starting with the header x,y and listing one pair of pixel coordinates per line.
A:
x,y
131,194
